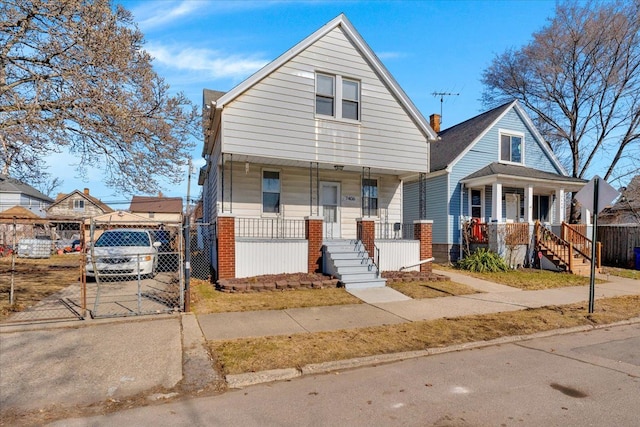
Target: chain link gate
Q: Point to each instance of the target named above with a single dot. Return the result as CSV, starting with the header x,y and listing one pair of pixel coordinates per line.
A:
x,y
135,268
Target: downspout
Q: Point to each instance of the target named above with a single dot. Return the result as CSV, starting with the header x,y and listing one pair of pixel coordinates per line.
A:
x,y
460,221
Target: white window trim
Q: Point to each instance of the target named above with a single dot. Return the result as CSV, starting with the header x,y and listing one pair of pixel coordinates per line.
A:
x,y
506,132
482,201
269,214
337,98
78,208
378,180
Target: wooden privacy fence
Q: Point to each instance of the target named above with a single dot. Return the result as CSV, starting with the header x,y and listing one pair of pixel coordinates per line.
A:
x,y
618,242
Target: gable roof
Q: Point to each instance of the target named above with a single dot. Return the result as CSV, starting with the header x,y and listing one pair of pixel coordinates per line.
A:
x,y
19,212
156,204
505,170
357,40
455,141
12,185
99,203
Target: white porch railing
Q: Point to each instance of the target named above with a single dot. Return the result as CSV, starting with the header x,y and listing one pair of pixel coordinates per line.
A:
x,y
270,228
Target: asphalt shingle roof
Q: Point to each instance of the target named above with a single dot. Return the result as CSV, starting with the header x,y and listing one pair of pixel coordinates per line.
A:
x,y
496,168
12,185
156,204
456,139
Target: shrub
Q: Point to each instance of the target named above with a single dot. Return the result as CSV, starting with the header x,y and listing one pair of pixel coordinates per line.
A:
x,y
483,261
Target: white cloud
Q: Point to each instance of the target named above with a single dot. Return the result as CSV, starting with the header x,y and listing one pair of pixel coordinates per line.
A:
x,y
211,64
391,55
153,14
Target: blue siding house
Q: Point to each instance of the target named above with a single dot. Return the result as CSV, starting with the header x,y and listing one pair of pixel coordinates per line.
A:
x,y
494,167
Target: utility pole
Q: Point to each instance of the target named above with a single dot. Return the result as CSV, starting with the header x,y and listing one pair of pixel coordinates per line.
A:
x,y
442,95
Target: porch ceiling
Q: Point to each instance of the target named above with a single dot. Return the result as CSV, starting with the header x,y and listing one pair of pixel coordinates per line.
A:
x,y
280,162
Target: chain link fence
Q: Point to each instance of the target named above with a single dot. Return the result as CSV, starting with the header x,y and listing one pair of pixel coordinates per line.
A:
x,y
41,266
135,268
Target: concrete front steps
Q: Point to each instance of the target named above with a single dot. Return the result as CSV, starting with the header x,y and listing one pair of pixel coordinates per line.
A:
x,y
349,261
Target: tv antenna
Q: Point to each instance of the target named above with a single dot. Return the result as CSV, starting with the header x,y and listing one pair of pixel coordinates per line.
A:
x,y
442,95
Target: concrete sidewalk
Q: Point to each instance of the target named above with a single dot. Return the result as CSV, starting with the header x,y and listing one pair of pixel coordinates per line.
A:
x,y
48,368
380,311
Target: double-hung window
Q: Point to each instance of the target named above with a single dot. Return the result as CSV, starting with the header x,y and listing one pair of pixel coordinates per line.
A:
x,y
325,95
369,197
270,192
476,203
78,205
511,148
337,97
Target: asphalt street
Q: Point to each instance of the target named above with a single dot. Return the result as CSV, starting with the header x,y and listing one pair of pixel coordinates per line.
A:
x,y
581,379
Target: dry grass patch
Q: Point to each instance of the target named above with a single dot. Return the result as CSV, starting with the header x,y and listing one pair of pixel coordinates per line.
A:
x,y
528,279
35,279
420,290
621,272
205,299
257,354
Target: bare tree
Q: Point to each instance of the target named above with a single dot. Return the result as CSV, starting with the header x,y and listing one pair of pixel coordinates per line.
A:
x,y
580,79
74,76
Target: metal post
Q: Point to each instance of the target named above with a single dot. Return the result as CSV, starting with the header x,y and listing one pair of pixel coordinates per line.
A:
x,y
13,262
187,256
592,279
139,286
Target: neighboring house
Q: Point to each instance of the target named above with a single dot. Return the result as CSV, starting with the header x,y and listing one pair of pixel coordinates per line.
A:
x,y
494,167
69,210
626,210
77,205
17,193
158,209
324,132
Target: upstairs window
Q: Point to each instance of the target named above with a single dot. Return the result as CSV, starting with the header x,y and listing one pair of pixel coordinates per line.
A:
x,y
337,97
271,192
511,148
350,99
78,205
325,95
369,197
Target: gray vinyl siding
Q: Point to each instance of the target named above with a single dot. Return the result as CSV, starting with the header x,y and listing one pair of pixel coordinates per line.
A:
x,y
276,116
534,156
410,202
437,197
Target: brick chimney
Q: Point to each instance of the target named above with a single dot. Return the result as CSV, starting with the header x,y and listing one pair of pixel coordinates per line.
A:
x,y
434,121
86,191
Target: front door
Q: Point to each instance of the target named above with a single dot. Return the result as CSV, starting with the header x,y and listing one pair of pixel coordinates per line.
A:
x,y
513,207
330,202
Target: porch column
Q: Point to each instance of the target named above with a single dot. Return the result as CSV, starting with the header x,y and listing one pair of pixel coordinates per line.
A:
x,y
423,231
313,234
528,204
585,215
226,246
496,201
366,233
560,208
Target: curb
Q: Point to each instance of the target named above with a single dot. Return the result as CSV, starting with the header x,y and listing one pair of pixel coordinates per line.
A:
x,y
255,378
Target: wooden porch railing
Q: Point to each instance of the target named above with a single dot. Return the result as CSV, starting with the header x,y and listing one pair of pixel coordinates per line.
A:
x,y
561,250
517,233
555,248
476,232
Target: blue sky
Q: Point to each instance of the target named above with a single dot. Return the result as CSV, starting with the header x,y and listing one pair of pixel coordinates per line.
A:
x,y
428,46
